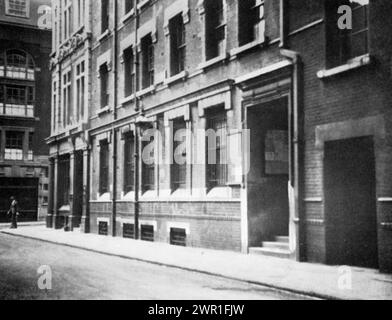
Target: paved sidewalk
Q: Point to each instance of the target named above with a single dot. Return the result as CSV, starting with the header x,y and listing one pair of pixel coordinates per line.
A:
x,y
305,278
22,224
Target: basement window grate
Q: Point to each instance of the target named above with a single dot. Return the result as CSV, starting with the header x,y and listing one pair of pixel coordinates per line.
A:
x,y
103,228
178,237
129,231
147,233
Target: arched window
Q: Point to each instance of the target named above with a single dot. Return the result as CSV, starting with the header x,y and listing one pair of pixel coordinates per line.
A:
x,y
17,64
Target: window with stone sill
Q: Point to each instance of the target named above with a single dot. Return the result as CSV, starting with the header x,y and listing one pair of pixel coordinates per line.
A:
x,y
251,23
147,52
344,45
177,45
215,28
67,16
104,81
129,72
105,15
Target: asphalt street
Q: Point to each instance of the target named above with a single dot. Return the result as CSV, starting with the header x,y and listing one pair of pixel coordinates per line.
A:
x,y
78,274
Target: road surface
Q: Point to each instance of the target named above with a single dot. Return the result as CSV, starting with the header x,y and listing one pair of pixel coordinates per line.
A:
x,y
79,274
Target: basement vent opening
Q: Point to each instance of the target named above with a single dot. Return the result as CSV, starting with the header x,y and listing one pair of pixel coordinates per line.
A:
x,y
178,237
147,233
103,228
129,231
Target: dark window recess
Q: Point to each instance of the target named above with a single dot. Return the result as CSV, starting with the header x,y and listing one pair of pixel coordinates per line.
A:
x,y
129,163
104,79
248,21
147,233
104,167
147,61
129,5
103,228
104,15
129,231
343,45
129,72
179,165
178,237
217,169
215,28
177,44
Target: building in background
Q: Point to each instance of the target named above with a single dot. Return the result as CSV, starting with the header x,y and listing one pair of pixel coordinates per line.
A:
x,y
25,46
315,98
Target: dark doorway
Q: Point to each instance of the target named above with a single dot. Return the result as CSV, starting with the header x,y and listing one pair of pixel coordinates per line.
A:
x,y
268,198
78,189
25,191
350,202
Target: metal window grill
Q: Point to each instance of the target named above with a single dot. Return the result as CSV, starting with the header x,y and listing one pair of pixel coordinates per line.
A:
x,y
129,231
178,237
103,228
147,233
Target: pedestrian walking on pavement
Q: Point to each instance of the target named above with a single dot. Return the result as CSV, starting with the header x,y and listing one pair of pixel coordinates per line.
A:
x,y
13,212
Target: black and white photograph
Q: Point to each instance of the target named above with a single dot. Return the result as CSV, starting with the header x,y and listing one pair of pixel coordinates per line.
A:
x,y
197,155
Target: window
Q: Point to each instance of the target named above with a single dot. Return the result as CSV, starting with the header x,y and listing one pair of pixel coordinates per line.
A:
x,y
80,12
80,91
16,64
103,228
30,154
54,104
147,233
129,163
128,231
346,44
129,5
104,15
215,28
177,44
104,167
14,145
67,99
67,19
104,78
17,8
216,148
251,23
129,72
148,165
17,100
178,237
147,61
179,166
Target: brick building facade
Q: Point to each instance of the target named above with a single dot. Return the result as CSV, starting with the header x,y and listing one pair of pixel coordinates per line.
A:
x,y
24,106
300,100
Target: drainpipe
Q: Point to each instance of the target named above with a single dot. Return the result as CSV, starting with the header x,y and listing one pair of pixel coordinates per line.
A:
x,y
114,131
137,129
295,124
